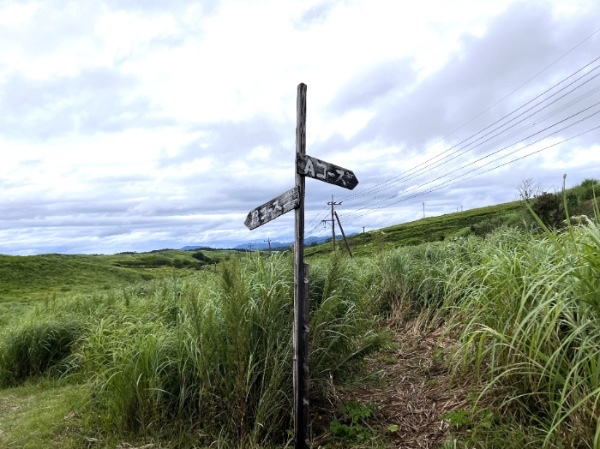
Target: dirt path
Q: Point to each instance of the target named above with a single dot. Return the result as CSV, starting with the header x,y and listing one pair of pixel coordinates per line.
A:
x,y
413,392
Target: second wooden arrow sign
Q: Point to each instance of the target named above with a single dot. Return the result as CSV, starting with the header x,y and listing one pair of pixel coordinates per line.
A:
x,y
276,207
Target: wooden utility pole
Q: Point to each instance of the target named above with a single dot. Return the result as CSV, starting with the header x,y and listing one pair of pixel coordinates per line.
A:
x,y
343,235
333,204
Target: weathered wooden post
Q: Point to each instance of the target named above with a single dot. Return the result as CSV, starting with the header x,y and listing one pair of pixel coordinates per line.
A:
x,y
301,433
294,199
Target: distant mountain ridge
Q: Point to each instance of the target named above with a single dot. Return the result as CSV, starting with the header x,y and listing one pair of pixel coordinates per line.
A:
x,y
263,245
260,246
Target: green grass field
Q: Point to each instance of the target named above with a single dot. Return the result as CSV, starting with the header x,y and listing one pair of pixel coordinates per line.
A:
x,y
32,278
146,350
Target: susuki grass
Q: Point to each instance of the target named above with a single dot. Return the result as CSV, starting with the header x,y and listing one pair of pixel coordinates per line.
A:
x,y
526,311
36,348
529,329
203,358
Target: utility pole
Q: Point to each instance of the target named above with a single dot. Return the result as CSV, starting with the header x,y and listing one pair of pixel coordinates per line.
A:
x,y
269,242
364,229
423,210
332,204
343,234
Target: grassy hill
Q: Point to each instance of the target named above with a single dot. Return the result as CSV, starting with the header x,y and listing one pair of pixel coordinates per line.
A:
x,y
475,221
30,278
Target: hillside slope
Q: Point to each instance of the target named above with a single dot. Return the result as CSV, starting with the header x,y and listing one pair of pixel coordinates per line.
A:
x,y
475,221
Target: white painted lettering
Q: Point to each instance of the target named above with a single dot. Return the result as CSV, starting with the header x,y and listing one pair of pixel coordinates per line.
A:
x,y
309,169
341,178
324,168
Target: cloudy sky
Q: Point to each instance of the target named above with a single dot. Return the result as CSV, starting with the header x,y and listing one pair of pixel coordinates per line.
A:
x,y
137,125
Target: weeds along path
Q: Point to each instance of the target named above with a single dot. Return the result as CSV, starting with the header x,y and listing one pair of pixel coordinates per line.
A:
x,y
413,390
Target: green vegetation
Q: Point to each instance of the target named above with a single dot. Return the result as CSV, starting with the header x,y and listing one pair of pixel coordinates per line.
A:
x,y
43,415
202,358
160,358
525,312
353,426
446,227
31,278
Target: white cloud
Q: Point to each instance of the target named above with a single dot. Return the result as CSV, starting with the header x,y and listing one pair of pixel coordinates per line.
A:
x,y
122,120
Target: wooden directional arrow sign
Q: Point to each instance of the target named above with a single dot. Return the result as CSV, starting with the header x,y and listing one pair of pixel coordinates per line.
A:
x,y
275,208
324,171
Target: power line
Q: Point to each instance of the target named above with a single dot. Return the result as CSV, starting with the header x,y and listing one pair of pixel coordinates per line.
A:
x,y
509,94
501,136
495,153
401,177
464,177
437,165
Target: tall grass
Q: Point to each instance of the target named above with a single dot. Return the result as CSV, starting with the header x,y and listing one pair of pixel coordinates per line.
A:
x,y
36,348
530,329
209,357
204,358
526,311
213,356
409,281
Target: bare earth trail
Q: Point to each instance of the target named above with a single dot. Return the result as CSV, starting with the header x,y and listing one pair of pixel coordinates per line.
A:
x,y
413,392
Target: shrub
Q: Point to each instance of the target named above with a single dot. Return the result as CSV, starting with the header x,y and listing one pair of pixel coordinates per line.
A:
x,y
588,188
547,207
36,348
199,255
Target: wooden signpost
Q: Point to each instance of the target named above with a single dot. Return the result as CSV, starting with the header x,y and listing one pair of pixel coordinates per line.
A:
x,y
293,199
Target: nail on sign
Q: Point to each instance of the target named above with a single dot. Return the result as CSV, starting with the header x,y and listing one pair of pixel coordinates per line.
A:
x,y
285,202
324,171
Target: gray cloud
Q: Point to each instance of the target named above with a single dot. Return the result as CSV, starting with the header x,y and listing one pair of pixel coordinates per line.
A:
x,y
234,139
179,202
315,15
54,26
366,88
153,6
95,100
516,45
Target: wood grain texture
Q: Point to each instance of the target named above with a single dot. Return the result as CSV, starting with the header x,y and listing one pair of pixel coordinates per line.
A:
x,y
272,209
301,374
325,171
